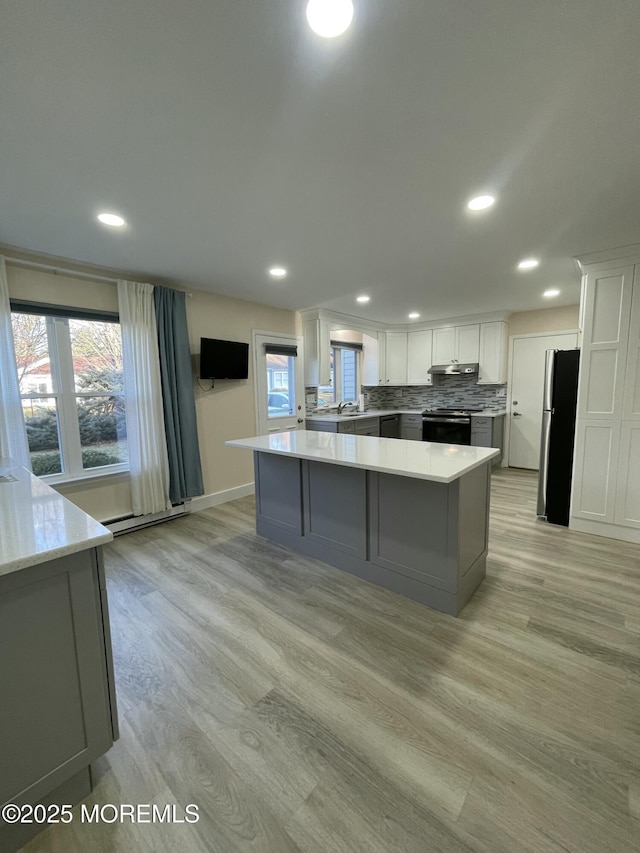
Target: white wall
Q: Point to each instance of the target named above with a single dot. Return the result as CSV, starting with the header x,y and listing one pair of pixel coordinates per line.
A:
x,y
224,413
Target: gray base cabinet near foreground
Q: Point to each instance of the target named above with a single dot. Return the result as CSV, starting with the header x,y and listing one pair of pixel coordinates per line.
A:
x,y
426,540
57,693
57,706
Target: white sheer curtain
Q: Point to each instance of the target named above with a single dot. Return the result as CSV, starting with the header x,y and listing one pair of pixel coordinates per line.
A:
x,y
149,466
13,436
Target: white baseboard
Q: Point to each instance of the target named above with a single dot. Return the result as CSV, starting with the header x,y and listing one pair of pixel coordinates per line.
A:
x,y
134,522
216,498
124,525
600,528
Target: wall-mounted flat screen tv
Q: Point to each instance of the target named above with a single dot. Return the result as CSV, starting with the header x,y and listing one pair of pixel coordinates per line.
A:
x,y
223,359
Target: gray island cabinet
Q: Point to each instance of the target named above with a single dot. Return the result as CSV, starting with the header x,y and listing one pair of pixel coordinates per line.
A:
x,y
410,516
57,695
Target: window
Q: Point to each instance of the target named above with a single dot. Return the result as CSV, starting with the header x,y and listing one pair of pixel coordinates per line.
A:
x,y
280,384
345,375
72,391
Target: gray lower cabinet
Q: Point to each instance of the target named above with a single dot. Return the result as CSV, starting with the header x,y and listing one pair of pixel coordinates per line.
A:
x,y
411,427
57,712
488,432
367,426
423,539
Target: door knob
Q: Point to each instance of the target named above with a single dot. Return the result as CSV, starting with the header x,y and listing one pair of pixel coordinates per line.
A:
x,y
517,415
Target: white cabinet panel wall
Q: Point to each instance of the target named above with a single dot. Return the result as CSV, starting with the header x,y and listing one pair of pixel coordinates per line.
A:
x,y
596,455
606,475
631,403
628,504
419,357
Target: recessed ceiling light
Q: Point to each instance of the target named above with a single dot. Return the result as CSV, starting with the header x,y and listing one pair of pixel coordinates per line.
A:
x,y
111,219
329,18
528,264
277,272
481,202
553,291
414,315
363,298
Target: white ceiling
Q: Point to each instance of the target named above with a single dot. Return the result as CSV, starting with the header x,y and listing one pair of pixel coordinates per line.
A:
x,y
232,138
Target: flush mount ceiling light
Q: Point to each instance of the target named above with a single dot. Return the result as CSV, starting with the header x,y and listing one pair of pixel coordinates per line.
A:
x,y
277,272
553,291
528,264
363,299
481,202
329,18
414,315
111,219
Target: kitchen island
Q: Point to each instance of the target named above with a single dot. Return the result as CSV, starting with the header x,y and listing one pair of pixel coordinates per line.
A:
x,y
410,516
58,711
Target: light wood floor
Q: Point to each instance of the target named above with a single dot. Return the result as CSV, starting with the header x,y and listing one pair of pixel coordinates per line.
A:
x,y
303,709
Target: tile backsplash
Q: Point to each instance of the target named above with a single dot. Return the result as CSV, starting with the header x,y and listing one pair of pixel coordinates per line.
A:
x,y
446,392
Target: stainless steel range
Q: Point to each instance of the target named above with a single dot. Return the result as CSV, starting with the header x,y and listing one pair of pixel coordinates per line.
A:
x,y
447,426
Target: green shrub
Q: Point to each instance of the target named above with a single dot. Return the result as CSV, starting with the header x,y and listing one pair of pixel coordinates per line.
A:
x,y
46,463
93,457
42,431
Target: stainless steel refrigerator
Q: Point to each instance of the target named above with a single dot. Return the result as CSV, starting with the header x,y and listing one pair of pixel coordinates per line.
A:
x,y
558,433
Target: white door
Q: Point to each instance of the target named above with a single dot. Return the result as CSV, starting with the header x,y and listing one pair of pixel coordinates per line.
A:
x,y
279,384
525,394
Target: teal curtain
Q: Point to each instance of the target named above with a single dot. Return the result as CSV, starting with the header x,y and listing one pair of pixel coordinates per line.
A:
x,y
185,470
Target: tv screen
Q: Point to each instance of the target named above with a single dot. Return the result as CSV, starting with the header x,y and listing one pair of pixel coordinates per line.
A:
x,y
223,359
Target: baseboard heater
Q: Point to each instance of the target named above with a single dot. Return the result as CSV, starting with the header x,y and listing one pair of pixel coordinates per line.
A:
x,y
136,522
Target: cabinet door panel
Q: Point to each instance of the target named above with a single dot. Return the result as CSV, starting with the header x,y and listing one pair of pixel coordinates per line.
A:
x,y
493,353
607,307
628,504
595,470
468,343
444,345
632,378
419,357
396,357
54,714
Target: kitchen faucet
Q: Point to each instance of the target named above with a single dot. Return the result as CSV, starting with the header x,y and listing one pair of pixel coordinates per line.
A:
x,y
343,404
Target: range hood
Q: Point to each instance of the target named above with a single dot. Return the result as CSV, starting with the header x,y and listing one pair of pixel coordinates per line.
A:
x,y
453,369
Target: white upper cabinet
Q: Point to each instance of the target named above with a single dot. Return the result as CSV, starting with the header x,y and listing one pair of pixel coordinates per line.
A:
x,y
396,358
444,345
468,344
493,353
419,357
456,343
316,335
370,360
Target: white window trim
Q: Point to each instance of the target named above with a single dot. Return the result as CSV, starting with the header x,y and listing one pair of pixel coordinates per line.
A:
x,y
65,395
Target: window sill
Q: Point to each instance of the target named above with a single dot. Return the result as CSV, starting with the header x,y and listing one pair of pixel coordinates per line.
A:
x,y
86,479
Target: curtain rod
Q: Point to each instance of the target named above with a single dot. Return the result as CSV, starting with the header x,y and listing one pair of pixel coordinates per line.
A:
x,y
21,262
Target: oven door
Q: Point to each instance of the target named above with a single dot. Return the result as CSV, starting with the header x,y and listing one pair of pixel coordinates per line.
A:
x,y
447,430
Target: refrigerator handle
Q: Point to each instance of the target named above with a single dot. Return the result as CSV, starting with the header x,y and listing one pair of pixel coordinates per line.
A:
x,y
547,394
544,463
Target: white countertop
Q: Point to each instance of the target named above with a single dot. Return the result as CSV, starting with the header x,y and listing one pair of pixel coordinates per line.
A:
x,y
372,413
37,524
423,460
376,413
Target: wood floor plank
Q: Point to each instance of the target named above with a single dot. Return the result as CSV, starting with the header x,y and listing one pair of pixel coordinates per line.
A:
x,y
304,709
